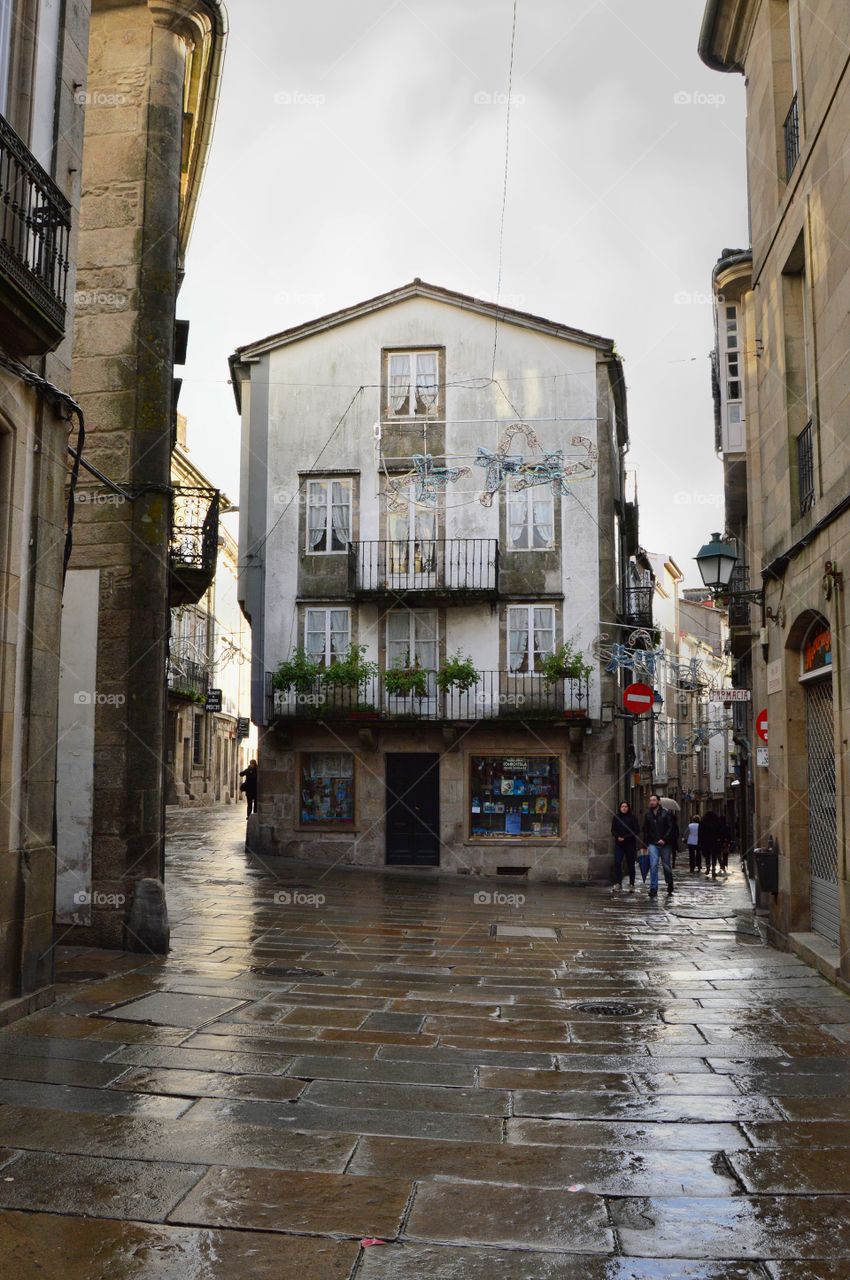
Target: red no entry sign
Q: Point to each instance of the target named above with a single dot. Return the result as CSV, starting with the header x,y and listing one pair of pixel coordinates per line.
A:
x,y
638,699
761,725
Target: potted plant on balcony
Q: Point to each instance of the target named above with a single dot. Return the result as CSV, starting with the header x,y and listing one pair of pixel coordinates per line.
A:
x,y
457,672
566,663
298,672
404,680
349,676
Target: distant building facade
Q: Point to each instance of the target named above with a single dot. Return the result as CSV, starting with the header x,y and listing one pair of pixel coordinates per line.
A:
x,y
792,304
457,530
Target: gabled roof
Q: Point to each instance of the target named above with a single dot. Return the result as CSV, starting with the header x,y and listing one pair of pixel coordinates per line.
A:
x,y
419,289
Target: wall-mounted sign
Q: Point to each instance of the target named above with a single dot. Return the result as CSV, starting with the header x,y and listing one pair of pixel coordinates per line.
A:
x,y
213,701
761,725
243,727
717,763
817,650
774,676
762,757
732,695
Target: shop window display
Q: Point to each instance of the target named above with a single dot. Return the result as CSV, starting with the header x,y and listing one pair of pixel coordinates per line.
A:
x,y
514,797
327,788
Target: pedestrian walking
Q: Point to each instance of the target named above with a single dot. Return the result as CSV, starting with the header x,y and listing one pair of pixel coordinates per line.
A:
x,y
658,826
725,843
711,841
625,829
694,859
249,786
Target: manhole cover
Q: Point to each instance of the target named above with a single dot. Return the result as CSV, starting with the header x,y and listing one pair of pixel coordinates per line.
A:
x,y
81,975
278,971
606,1010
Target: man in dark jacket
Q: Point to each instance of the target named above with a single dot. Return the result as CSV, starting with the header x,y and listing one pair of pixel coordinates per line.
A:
x,y
711,840
658,838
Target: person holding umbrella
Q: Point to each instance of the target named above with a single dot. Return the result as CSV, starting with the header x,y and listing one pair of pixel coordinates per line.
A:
x,y
658,825
625,829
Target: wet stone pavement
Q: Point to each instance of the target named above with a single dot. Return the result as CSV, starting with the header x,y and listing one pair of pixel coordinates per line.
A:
x,y
384,1077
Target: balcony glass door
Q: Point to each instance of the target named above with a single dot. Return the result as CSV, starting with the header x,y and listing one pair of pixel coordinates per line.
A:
x,y
411,643
412,546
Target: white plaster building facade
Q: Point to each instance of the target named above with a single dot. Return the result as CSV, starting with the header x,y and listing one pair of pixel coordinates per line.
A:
x,y
405,493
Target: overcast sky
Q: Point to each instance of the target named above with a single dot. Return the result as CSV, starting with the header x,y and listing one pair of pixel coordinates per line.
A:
x,y
360,145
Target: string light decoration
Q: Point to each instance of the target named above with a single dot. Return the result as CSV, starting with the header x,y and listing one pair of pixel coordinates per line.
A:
x,y
429,478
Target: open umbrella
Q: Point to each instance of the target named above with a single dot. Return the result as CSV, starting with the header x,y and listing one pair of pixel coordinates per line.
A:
x,y
667,803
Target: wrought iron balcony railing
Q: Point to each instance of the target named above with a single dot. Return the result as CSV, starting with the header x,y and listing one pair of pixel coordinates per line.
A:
x,y
193,545
637,606
792,137
188,676
35,226
496,695
427,566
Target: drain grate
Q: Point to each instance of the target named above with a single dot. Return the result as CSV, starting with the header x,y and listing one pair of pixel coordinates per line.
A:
x,y
278,971
605,1010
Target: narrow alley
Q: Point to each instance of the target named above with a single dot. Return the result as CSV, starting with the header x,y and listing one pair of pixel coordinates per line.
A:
x,y
390,1077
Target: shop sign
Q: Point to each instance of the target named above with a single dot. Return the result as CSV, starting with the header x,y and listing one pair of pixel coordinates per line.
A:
x,y
213,702
732,695
243,727
817,651
717,763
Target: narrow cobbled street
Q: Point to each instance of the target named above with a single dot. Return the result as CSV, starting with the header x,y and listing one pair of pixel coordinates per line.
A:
x,y
394,1077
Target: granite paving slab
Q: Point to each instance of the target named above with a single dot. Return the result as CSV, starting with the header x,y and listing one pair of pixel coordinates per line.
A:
x,y
175,1010
527,1218
96,1187
768,1226
315,1203
45,1245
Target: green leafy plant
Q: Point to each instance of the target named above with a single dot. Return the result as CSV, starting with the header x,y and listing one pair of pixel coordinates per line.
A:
x,y
457,672
403,680
352,671
565,663
298,672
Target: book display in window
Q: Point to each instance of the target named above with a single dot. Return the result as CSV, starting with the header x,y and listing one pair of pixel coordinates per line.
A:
x,y
514,796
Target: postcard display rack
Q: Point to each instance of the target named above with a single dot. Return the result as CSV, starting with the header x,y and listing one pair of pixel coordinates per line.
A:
x,y
514,797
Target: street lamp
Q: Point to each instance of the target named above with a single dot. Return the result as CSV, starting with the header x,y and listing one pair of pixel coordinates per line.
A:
x,y
716,561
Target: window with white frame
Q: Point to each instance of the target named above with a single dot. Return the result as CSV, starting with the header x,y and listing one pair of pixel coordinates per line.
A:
x,y
531,518
413,386
412,532
412,638
328,516
531,636
327,634
733,353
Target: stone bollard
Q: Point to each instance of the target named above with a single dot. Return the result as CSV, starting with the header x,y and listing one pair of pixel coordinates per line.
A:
x,y
147,928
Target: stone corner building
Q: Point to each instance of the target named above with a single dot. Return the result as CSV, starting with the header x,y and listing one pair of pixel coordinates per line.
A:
x,y
783,395
42,49
426,475
152,89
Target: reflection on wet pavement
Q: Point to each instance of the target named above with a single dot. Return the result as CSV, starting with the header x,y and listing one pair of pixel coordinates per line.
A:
x,y
383,1077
